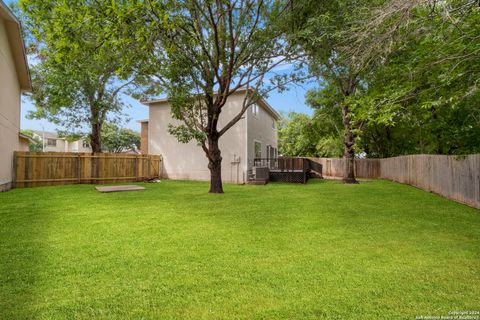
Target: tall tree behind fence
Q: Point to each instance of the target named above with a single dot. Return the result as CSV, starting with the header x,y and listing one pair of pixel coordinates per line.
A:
x,y
33,169
457,178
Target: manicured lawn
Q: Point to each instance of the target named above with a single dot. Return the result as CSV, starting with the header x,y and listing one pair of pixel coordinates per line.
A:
x,y
377,250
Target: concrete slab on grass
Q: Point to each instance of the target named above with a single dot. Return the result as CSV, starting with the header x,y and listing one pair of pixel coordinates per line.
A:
x,y
119,188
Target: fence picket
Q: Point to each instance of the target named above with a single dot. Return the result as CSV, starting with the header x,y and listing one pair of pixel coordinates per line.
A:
x,y
454,177
33,169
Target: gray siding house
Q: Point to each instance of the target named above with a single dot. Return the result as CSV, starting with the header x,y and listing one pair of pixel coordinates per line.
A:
x,y
253,136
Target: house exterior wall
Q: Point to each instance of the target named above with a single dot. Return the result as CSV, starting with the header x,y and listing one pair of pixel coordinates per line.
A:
x,y
59,147
9,110
188,161
144,137
76,146
23,144
262,128
62,145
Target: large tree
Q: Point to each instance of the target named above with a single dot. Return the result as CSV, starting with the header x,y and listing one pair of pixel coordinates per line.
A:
x,y
425,98
207,50
341,56
79,67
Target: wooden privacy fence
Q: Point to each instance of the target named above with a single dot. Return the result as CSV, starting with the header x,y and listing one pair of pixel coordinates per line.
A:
x,y
33,169
334,167
456,178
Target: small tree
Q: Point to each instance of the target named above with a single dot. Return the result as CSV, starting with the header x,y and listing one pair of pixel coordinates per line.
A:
x,y
116,139
36,144
207,50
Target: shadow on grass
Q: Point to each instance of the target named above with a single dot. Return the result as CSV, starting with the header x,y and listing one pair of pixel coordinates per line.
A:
x,y
24,229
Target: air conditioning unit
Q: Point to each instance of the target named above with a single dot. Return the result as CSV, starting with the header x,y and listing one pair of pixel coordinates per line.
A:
x,y
261,173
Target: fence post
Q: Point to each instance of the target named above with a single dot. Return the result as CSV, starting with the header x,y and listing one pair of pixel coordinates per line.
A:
x,y
14,178
93,168
79,169
27,163
135,167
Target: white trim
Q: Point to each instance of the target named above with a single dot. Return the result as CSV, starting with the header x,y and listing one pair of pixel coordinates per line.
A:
x,y
254,151
255,109
247,142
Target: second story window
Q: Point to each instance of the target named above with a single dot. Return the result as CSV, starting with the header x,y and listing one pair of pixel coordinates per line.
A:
x,y
273,124
52,142
255,110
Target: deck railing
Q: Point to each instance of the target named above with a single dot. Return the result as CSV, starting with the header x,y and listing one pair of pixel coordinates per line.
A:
x,y
283,163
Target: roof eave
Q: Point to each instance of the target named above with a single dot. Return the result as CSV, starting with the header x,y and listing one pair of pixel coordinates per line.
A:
x,y
14,34
266,105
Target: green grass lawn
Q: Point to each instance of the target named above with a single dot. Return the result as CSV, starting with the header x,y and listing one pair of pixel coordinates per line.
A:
x,y
377,250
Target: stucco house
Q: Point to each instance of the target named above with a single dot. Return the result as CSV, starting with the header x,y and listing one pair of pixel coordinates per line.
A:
x,y
14,79
53,143
253,136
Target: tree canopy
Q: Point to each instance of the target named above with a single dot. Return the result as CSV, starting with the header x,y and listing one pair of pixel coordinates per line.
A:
x,y
418,89
80,67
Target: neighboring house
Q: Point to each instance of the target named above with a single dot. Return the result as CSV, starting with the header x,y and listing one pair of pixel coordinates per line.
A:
x,y
24,141
53,143
253,136
14,79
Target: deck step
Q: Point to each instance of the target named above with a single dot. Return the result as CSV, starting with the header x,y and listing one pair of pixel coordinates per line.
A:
x,y
257,182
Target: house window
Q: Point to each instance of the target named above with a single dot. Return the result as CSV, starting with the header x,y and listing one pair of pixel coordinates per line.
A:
x,y
273,124
52,142
271,152
85,144
255,110
258,149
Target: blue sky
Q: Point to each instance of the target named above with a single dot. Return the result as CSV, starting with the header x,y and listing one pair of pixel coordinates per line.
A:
x,y
291,100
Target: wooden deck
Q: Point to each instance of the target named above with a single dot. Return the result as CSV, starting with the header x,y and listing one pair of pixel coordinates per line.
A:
x,y
286,169
297,176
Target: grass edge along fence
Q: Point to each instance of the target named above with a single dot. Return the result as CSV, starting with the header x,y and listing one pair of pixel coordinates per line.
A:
x,y
32,169
454,177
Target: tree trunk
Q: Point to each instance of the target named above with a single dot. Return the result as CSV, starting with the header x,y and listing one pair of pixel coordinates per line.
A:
x,y
348,152
95,137
215,165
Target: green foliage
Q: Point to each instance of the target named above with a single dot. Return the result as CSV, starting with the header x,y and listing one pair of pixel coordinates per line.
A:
x,y
116,139
413,67
36,144
425,98
27,132
80,67
301,135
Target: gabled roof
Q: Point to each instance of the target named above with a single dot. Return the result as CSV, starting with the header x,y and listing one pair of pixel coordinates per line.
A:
x,y
15,39
25,137
47,134
262,102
